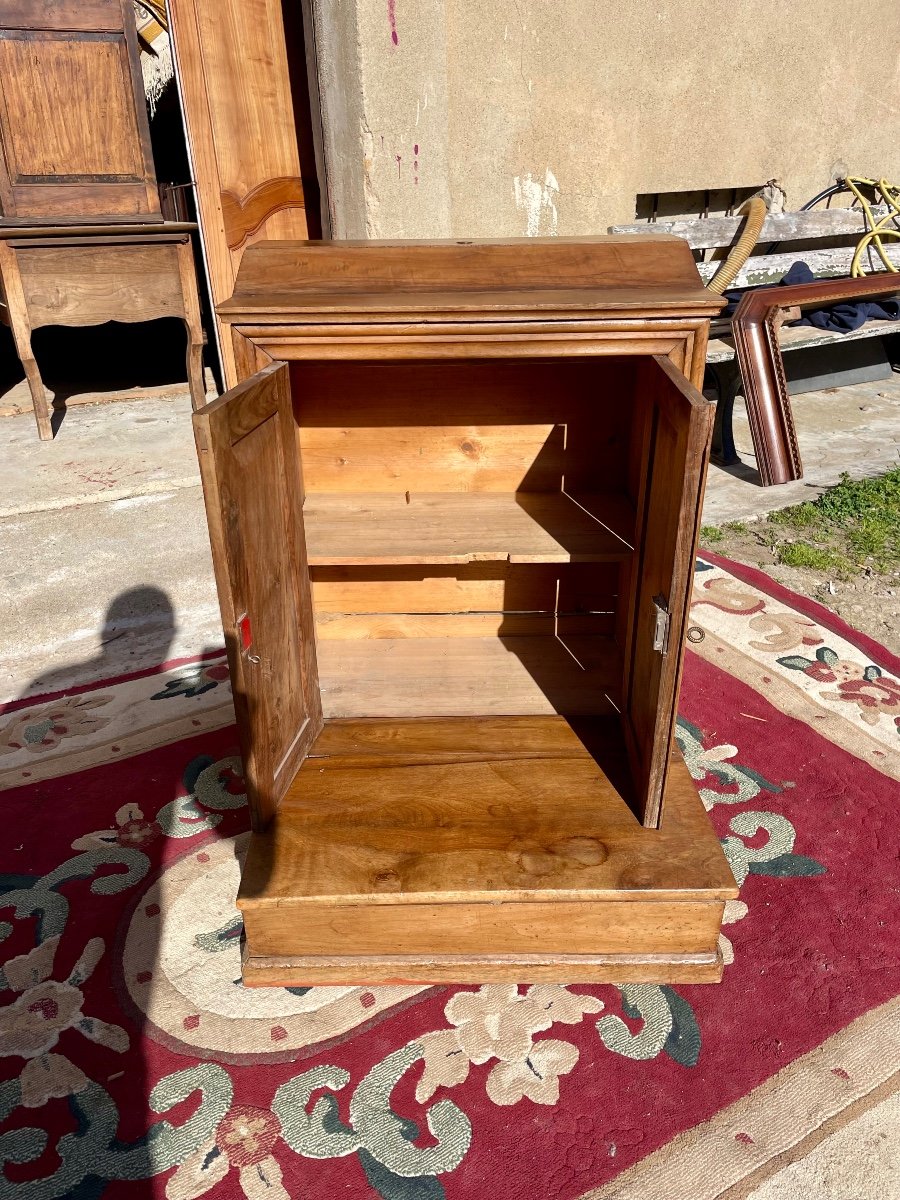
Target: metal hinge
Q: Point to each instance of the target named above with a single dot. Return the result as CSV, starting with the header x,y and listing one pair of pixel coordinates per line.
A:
x,y
661,625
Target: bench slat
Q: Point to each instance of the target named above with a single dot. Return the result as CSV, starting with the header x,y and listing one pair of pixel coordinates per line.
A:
x,y
712,233
768,269
721,349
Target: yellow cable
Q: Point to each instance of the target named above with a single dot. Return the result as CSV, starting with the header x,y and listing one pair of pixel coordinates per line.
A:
x,y
889,194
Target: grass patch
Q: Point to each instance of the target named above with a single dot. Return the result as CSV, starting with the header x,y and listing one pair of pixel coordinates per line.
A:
x,y
802,554
859,518
852,527
710,534
800,516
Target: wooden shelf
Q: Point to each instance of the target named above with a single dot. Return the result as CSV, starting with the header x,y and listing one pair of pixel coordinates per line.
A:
x,y
453,816
457,676
434,528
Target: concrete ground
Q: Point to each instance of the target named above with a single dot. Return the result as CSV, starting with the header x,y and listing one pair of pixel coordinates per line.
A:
x,y
111,514
854,429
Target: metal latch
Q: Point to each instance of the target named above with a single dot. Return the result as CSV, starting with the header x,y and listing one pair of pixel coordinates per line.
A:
x,y
661,625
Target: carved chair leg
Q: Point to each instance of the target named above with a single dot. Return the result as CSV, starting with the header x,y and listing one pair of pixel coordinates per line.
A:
x,y
728,383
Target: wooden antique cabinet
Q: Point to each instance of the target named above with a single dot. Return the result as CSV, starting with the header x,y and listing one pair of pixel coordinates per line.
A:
x,y
453,508
87,159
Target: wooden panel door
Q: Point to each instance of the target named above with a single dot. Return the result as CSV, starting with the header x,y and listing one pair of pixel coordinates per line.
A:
x,y
253,486
679,428
233,64
74,136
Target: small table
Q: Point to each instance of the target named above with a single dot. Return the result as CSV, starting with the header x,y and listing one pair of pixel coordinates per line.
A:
x,y
87,275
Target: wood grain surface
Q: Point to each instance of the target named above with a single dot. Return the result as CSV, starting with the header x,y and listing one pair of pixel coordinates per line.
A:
x,y
253,488
74,133
455,676
464,426
483,839
365,970
485,800
678,451
458,527
235,85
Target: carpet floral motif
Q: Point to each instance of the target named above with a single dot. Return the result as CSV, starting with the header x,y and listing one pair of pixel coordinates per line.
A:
x,y
779,650
510,1035
39,730
129,1050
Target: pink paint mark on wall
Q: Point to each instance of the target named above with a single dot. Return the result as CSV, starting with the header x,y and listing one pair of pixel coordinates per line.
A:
x,y
392,18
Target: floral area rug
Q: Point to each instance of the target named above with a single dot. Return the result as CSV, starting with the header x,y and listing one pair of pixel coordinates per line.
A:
x,y
133,1063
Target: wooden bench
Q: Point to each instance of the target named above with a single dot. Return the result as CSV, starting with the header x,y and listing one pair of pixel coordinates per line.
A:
x,y
823,238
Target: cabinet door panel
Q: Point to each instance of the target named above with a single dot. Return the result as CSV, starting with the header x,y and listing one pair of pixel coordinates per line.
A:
x,y
680,428
252,483
74,136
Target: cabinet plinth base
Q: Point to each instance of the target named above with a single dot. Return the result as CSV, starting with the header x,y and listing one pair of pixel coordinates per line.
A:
x,y
471,850
563,968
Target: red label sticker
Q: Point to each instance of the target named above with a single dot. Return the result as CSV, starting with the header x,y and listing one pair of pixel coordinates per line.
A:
x,y
246,632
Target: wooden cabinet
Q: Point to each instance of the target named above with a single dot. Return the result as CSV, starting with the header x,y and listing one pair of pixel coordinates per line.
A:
x,y
74,137
453,522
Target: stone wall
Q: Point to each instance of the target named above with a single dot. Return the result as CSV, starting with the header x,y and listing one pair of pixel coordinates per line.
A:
x,y
498,118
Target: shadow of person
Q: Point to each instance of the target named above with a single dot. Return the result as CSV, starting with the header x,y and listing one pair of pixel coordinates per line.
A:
x,y
138,631
103,796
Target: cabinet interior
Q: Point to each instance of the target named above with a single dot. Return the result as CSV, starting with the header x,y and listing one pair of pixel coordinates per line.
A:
x,y
471,530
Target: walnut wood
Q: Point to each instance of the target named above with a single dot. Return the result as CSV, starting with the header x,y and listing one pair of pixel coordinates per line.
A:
x,y
253,486
363,970
325,275
527,796
480,839
452,823
63,15
755,330
464,426
61,66
76,228
244,217
359,529
472,600
455,675
232,62
678,453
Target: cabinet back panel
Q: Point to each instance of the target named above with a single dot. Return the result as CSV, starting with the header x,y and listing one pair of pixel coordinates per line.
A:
x,y
464,676
468,601
464,426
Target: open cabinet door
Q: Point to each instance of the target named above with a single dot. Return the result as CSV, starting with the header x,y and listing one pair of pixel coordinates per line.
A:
x,y
679,428
253,486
